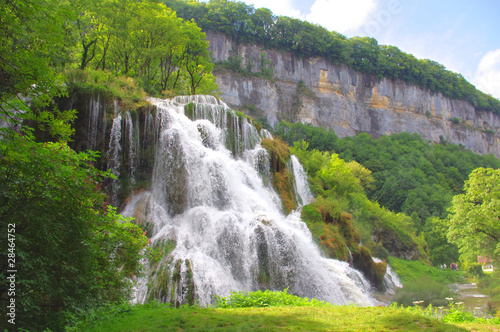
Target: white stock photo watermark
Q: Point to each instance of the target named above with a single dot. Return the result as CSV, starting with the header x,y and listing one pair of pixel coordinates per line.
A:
x,y
11,274
381,19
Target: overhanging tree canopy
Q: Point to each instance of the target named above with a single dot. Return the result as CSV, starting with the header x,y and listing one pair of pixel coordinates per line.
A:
x,y
474,223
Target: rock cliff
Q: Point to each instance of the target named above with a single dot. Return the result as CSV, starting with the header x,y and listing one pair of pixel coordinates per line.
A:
x,y
334,96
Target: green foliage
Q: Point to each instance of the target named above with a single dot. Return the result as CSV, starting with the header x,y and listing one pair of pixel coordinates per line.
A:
x,y
107,84
30,36
282,178
245,24
474,216
423,289
441,251
317,138
473,269
489,284
144,40
454,314
74,250
289,318
343,184
411,176
82,318
266,298
331,228
457,314
235,64
409,271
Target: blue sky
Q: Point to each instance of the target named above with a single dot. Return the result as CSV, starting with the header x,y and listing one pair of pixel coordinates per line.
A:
x,y
462,35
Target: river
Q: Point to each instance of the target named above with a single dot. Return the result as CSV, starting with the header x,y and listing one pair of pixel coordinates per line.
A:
x,y
473,300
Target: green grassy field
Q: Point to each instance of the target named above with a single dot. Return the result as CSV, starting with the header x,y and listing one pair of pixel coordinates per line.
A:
x,y
330,318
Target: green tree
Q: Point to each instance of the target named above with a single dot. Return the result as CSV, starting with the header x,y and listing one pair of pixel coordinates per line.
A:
x,y
474,221
441,251
30,32
72,251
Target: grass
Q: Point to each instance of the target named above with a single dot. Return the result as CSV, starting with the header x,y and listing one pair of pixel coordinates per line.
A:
x,y
410,271
328,318
280,311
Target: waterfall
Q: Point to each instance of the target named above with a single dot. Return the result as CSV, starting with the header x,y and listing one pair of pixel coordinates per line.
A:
x,y
265,134
391,278
94,119
132,147
113,153
217,220
301,186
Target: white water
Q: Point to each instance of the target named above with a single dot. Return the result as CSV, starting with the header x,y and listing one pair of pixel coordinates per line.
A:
x,y
302,191
391,278
220,209
113,153
132,147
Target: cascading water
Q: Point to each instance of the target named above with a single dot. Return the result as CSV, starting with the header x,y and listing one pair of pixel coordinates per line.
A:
x,y
301,186
94,119
132,147
391,278
113,153
217,220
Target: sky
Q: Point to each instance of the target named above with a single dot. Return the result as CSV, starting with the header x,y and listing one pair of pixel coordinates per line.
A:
x,y
463,35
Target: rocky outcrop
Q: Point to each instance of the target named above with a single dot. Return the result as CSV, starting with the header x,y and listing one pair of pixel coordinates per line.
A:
x,y
334,96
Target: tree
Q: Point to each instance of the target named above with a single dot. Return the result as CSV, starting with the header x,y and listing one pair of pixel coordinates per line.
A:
x,y
441,251
72,251
30,32
474,222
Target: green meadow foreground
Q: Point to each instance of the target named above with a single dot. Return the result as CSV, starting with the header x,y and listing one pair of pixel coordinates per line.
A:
x,y
327,318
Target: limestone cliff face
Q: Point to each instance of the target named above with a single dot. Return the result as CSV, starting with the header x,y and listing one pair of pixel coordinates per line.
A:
x,y
337,97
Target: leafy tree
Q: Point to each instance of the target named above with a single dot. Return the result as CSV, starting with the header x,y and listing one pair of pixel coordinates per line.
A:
x,y
474,221
30,31
72,251
441,251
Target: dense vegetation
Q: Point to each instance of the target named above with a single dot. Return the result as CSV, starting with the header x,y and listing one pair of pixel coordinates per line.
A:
x,y
246,24
72,251
142,40
348,225
410,175
474,216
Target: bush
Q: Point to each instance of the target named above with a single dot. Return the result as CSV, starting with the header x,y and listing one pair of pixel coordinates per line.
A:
x,y
424,289
124,88
474,269
266,298
409,271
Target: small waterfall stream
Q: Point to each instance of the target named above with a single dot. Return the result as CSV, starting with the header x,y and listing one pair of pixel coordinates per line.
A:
x,y
113,153
301,186
216,218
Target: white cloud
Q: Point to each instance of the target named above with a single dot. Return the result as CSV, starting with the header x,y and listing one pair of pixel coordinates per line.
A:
x,y
278,7
340,15
487,77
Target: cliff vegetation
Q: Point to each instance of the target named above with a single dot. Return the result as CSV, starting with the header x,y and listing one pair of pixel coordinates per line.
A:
x,y
406,174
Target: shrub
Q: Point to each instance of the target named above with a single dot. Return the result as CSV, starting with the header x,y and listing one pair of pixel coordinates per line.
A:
x,y
266,298
474,269
423,289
